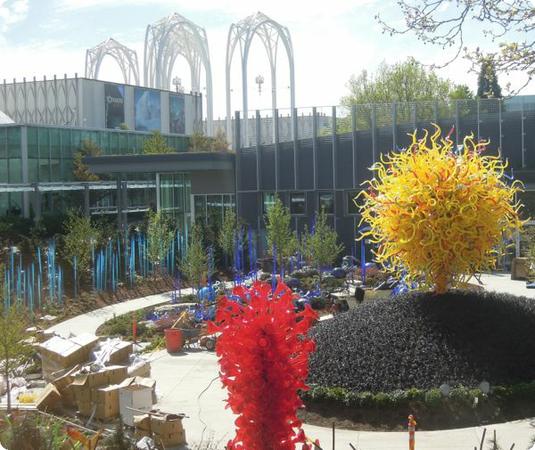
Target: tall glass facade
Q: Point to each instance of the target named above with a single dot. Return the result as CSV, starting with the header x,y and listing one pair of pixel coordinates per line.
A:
x,y
175,195
10,167
50,152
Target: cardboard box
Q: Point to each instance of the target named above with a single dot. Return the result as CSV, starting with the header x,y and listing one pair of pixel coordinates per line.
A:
x,y
121,353
107,401
142,422
166,424
148,382
104,377
141,369
50,399
134,399
171,440
116,374
63,385
59,354
86,408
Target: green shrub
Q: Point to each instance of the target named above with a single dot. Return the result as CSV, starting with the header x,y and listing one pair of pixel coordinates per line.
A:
x,y
433,398
462,396
382,400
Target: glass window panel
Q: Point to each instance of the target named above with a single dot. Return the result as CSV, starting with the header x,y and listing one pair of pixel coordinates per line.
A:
x,y
3,142
54,143
123,143
44,170
66,169
3,170
269,200
15,202
33,148
4,202
351,207
187,193
326,202
13,142
55,173
76,139
15,171
214,209
200,206
297,203
33,170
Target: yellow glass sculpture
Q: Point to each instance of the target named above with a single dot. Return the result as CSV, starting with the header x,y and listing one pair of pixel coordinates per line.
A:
x,y
437,215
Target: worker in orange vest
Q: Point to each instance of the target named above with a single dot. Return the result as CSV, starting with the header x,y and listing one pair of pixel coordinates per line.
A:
x,y
412,431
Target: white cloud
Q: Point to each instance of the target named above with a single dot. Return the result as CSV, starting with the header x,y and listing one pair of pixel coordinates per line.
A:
x,y
11,12
330,42
296,10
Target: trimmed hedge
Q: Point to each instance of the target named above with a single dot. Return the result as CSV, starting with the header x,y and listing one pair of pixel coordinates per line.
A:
x,y
422,340
462,407
431,398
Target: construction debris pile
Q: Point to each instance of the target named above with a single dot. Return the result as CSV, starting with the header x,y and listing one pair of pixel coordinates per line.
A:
x,y
98,381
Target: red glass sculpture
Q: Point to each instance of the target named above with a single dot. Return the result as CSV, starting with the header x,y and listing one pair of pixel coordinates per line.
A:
x,y
263,353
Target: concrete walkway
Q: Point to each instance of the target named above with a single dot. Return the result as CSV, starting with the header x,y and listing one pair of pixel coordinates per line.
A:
x,y
188,383
89,322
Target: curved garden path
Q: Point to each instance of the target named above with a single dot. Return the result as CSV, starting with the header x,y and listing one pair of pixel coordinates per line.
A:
x,y
188,383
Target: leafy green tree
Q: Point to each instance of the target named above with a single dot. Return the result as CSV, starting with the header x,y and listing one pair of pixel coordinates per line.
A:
x,y
461,92
80,170
227,233
12,347
322,245
278,231
160,236
219,142
156,144
487,82
407,81
80,235
199,142
195,264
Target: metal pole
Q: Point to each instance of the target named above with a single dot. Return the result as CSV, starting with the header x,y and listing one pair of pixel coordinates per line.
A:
x,y
523,133
334,436
315,146
333,141
295,146
276,135
354,142
374,133
457,122
394,125
258,140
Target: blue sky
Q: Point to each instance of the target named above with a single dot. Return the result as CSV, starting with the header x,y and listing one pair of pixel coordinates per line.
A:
x,y
332,40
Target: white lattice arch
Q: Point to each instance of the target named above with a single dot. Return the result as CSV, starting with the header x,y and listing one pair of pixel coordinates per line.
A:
x,y
269,32
125,57
168,38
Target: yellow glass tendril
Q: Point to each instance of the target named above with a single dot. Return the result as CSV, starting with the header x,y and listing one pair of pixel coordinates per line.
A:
x,y
438,216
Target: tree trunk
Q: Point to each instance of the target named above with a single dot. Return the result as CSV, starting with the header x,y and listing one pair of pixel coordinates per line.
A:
x,y
441,283
8,387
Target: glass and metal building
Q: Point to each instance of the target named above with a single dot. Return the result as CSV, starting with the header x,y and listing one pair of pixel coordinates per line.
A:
x,y
315,158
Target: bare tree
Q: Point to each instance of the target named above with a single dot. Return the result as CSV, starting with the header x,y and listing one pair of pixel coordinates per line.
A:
x,y
444,23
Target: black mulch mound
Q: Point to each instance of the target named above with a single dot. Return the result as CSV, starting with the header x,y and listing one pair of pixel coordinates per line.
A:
x,y
423,340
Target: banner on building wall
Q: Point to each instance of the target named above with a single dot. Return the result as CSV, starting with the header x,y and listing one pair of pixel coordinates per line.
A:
x,y
177,116
114,105
147,109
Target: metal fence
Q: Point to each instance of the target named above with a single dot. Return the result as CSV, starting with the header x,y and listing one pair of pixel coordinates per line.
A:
x,y
333,155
